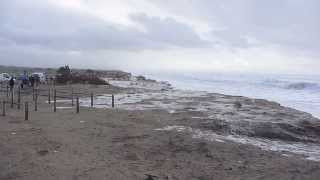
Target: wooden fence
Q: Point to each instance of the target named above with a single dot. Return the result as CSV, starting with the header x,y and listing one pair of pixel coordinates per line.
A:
x,y
14,98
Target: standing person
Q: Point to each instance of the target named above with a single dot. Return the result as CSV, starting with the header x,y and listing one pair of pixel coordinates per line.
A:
x,y
37,80
25,79
11,84
32,81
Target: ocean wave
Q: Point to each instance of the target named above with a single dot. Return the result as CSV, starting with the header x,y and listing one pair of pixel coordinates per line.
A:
x,y
291,85
302,86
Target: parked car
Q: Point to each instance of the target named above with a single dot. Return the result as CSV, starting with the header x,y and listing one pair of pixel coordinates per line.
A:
x,y
4,77
40,76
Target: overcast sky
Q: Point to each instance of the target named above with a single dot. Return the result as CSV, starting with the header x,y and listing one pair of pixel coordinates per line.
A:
x,y
272,36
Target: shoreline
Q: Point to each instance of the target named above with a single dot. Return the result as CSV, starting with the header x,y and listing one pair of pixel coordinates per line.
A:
x,y
169,86
285,124
279,84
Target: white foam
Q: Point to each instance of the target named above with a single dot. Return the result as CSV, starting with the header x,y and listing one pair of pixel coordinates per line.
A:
x,y
181,100
309,151
150,85
195,117
171,101
64,107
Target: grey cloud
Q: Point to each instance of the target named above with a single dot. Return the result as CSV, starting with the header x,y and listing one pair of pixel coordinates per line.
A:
x,y
288,23
33,32
169,31
46,27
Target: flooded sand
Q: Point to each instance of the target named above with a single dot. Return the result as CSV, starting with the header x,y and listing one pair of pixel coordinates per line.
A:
x,y
258,122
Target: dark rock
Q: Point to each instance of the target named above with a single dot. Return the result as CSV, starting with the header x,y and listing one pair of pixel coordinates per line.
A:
x,y
150,177
43,152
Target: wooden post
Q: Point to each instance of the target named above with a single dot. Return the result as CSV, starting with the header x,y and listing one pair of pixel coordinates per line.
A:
x,y
33,93
91,99
19,98
72,100
7,91
36,101
26,111
12,98
55,101
78,106
112,100
3,108
49,96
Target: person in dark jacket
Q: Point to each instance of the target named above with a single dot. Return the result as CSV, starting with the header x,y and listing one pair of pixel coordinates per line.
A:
x,y
11,84
32,81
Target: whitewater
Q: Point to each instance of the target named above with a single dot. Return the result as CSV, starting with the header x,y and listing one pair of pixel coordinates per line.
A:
x,y
301,92
214,117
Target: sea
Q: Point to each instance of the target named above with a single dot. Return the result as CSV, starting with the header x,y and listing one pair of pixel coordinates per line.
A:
x,y
301,92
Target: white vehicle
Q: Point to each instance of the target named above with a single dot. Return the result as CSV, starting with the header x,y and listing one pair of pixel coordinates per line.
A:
x,y
41,76
4,77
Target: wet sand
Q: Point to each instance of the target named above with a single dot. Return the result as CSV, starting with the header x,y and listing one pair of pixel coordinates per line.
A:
x,y
121,144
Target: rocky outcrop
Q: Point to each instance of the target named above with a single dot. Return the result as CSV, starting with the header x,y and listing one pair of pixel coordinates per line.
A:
x,y
262,119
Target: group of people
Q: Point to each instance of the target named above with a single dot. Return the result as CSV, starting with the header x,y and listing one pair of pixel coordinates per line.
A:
x,y
29,81
24,81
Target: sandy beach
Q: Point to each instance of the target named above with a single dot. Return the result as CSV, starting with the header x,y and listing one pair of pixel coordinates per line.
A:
x,y
132,143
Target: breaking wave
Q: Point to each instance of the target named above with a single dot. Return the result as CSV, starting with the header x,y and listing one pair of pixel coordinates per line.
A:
x,y
301,92
303,85
291,85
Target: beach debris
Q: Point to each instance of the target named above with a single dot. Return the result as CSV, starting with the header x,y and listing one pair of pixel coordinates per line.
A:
x,y
150,177
43,152
237,104
220,140
82,121
169,177
172,111
13,133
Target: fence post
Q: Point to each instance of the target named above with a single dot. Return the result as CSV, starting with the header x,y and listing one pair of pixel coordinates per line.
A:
x,y
33,92
7,91
72,100
78,106
91,99
26,111
49,96
12,98
36,101
55,101
19,98
4,108
112,97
